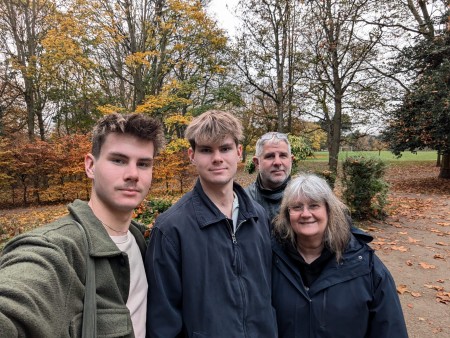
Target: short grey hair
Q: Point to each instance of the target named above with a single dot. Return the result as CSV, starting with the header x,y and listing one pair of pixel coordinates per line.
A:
x,y
272,137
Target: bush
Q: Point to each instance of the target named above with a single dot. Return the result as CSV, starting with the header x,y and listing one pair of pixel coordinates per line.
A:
x,y
364,189
147,211
328,176
250,166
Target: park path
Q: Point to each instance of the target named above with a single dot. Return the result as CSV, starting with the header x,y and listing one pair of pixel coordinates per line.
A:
x,y
414,243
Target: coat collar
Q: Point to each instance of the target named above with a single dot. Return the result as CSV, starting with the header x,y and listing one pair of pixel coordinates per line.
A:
x,y
357,261
207,212
100,244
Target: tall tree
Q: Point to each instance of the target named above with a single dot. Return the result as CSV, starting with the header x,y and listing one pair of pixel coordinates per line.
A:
x,y
339,46
266,52
422,121
22,27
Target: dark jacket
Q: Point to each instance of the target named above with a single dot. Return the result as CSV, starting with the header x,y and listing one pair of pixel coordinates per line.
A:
x,y
355,298
269,199
42,277
205,281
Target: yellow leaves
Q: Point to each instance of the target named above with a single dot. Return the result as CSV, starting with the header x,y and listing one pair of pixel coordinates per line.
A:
x,y
176,145
177,120
168,98
140,59
110,109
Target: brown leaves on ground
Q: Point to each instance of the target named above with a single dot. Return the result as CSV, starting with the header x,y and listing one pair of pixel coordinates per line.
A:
x,y
20,220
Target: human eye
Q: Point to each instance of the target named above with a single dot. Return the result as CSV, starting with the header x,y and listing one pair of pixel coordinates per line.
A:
x,y
297,208
225,149
204,150
117,160
145,164
314,206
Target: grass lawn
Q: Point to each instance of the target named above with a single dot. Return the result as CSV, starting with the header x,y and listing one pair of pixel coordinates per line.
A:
x,y
384,155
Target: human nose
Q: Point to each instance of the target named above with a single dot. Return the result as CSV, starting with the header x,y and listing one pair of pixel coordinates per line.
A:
x,y
217,156
277,161
131,172
305,212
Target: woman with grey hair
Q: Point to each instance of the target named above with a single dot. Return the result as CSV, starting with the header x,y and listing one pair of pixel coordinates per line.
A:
x,y
326,281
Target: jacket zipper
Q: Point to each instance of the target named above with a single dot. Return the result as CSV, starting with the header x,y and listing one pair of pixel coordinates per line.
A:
x,y
238,272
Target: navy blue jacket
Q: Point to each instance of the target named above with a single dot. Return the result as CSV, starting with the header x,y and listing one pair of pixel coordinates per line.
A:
x,y
355,298
205,281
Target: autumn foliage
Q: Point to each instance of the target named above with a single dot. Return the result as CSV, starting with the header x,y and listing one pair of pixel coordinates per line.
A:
x,y
43,172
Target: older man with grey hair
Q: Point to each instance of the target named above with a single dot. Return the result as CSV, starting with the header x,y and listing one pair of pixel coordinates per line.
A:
x,y
273,161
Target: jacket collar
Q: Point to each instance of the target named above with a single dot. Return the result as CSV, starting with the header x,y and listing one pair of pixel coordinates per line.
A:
x,y
100,244
207,212
276,194
357,261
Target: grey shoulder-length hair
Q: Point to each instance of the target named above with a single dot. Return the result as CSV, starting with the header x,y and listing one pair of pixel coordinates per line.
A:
x,y
316,189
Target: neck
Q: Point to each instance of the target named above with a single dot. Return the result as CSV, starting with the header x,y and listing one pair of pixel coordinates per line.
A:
x,y
115,223
310,250
221,197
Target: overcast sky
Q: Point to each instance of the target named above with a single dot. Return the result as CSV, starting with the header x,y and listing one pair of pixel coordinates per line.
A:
x,y
222,10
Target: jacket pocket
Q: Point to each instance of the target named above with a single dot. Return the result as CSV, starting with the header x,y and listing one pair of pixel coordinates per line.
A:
x,y
110,323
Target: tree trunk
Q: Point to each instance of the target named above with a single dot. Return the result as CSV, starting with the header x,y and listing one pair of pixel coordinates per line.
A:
x,y
445,166
438,160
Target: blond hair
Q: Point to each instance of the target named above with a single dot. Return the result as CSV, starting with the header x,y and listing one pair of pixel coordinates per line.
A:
x,y
213,126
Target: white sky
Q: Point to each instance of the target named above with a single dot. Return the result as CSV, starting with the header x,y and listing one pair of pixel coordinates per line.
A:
x,y
222,11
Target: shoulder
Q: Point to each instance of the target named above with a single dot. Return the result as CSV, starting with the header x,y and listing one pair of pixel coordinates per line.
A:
x,y
251,188
176,213
60,242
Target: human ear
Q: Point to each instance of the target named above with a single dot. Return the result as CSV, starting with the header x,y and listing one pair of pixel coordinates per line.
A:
x,y
89,165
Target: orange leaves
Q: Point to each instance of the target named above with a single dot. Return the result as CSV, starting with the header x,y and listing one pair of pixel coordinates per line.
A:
x,y
434,287
17,221
399,248
44,171
402,289
443,297
427,266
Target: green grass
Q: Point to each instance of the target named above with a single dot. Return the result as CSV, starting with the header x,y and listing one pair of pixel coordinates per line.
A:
x,y
384,155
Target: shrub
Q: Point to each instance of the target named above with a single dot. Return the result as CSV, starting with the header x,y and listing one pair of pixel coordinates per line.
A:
x,y
147,211
328,176
364,189
250,166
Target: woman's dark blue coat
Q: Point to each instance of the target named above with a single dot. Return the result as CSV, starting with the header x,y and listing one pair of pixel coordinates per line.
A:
x,y
355,298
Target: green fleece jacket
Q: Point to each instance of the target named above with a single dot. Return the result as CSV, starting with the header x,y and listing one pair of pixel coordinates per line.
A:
x,y
42,275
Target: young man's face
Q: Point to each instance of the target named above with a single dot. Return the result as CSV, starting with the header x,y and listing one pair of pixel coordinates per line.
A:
x,y
274,164
122,174
216,163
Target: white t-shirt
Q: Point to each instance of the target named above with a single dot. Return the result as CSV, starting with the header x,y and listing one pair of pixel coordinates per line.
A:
x,y
137,298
